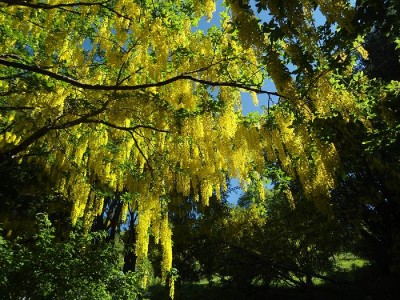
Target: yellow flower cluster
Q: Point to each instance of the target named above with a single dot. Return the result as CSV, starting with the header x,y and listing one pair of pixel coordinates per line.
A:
x,y
302,156
250,33
166,244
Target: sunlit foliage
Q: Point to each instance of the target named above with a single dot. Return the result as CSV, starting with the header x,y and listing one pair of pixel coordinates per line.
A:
x,y
126,97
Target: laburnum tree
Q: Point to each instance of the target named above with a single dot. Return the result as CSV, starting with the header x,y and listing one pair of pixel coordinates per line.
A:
x,y
336,131
124,98
123,109
313,90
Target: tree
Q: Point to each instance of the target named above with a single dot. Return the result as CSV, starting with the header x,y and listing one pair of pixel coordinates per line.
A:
x,y
122,106
336,131
374,165
271,241
193,232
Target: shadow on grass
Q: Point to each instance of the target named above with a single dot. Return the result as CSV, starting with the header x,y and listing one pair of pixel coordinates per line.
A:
x,y
361,284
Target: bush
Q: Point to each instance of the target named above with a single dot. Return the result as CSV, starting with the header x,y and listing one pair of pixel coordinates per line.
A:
x,y
80,267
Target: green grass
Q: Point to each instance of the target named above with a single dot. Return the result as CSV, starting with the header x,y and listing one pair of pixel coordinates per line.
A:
x,y
348,262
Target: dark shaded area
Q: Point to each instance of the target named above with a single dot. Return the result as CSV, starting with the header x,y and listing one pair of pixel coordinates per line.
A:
x,y
363,285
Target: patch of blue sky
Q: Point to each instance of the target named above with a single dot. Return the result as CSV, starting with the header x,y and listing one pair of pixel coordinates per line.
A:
x,y
262,15
235,191
87,44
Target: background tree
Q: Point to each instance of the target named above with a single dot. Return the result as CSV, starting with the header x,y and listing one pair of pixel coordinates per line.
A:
x,y
268,241
336,132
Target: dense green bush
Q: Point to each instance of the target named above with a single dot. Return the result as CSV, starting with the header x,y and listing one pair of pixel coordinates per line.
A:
x,y
79,267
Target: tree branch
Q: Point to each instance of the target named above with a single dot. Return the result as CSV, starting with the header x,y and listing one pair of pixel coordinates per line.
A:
x,y
63,6
42,131
98,87
16,108
49,6
141,153
82,120
108,124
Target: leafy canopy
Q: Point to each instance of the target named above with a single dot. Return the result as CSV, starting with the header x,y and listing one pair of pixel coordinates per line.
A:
x,y
124,97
